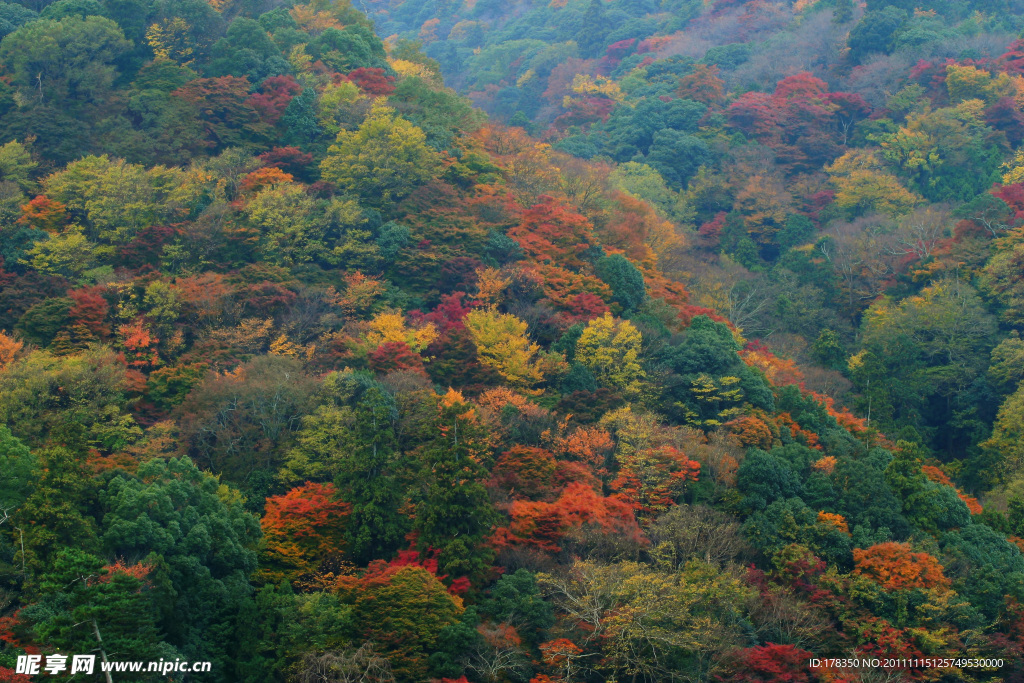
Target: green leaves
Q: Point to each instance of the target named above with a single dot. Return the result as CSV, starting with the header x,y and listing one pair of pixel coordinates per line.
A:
x,y
381,162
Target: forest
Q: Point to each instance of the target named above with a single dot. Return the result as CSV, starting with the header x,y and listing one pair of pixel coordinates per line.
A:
x,y
466,341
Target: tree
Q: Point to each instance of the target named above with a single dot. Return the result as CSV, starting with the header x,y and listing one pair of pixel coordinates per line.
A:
x,y
453,512
611,350
69,62
223,106
647,621
18,468
770,662
876,32
1001,276
233,423
301,529
89,607
863,185
405,609
896,566
550,232
198,540
368,469
76,400
625,279
382,161
502,344
113,199
1006,445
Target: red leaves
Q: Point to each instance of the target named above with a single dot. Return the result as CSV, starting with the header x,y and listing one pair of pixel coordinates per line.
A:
x,y
551,232
544,525
89,311
273,98
300,529
771,663
372,81
801,120
393,356
289,159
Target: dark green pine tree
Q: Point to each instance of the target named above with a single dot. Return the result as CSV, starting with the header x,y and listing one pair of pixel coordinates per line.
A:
x,y
454,512
93,609
367,477
594,28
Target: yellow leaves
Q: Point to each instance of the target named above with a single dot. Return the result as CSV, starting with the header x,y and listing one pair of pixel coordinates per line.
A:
x,y
389,326
863,184
582,84
452,398
501,343
972,83
526,78
611,350
283,347
491,284
405,69
300,59
1014,168
856,361
837,521
312,21
170,39
250,336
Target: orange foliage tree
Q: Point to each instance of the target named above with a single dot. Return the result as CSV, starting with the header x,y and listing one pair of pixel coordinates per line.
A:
x,y
896,566
551,232
301,528
543,526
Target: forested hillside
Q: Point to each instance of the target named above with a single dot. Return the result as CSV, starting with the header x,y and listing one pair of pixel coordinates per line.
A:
x,y
682,345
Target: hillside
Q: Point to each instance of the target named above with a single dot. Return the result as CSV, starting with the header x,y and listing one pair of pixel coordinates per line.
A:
x,y
314,368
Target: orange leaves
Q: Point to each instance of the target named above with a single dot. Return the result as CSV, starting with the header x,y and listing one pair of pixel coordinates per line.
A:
x,y
838,521
139,344
939,477
525,471
650,480
544,525
9,348
43,213
551,232
896,566
826,465
300,529
779,371
751,431
267,176
590,445
702,85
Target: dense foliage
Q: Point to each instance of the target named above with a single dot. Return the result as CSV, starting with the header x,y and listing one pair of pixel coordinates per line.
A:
x,y
310,369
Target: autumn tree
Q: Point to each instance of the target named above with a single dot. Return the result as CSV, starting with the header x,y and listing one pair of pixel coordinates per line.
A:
x,y
301,529
550,232
896,566
502,344
383,161
611,350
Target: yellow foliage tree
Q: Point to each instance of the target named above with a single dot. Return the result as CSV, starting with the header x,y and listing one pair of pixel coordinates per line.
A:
x,y
171,39
611,350
864,185
501,343
389,326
